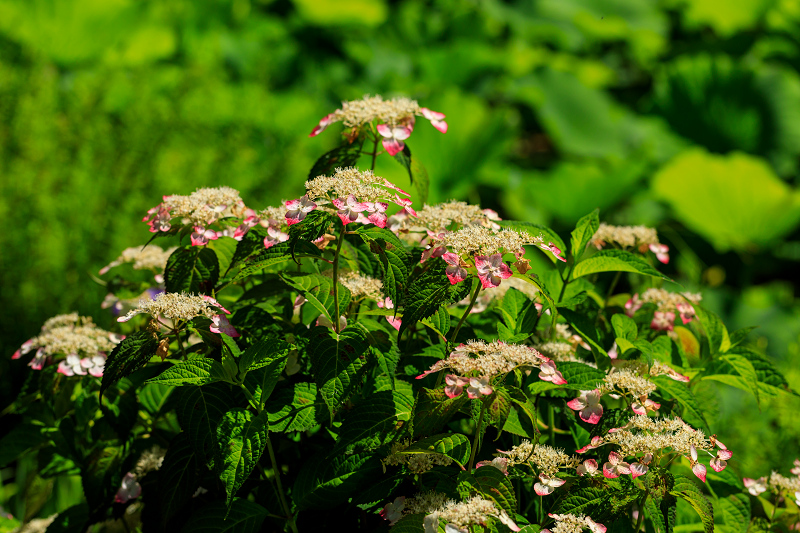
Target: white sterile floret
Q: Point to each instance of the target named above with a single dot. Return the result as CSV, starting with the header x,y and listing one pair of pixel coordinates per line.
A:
x,y
150,460
548,460
459,516
175,306
480,240
151,257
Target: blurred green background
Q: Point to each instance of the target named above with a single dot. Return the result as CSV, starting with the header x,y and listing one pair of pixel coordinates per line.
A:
x,y
680,114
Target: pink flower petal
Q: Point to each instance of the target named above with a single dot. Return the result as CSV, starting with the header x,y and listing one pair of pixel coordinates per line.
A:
x,y
699,471
393,146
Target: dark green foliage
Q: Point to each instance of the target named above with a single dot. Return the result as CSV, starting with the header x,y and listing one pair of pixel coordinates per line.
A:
x,y
129,356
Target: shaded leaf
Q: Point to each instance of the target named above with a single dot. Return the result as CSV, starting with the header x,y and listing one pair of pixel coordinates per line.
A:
x,y
582,234
241,438
615,261
191,372
131,354
242,516
192,269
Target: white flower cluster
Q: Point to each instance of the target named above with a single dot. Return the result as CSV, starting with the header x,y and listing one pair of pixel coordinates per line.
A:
x,y
570,523
70,334
627,380
669,301
625,236
480,240
150,257
446,217
548,460
356,113
362,286
201,208
364,185
176,306
643,434
489,359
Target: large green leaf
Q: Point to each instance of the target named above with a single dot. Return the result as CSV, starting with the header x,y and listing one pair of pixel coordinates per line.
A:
x,y
615,261
325,482
199,411
691,407
393,258
583,233
273,255
193,269
685,488
373,421
430,291
585,327
242,516
344,155
716,332
297,408
311,228
453,445
735,509
100,478
263,353
261,381
744,368
337,359
732,200
434,410
177,477
252,242
192,372
131,354
241,439
495,486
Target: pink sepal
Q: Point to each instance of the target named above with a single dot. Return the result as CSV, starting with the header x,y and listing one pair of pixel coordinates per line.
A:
x,y
394,322
699,471
222,325
638,469
326,121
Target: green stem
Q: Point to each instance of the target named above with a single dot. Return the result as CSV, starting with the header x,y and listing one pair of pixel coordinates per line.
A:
x,y
551,418
180,344
277,471
336,280
611,289
466,313
476,440
374,152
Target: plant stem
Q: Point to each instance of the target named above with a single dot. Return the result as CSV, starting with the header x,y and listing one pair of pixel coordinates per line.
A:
x,y
551,418
466,313
374,152
611,289
336,280
277,471
476,440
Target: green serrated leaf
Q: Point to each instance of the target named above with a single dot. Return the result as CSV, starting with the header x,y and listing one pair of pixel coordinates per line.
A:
x,y
717,333
241,516
241,438
192,269
225,249
131,354
686,489
312,227
439,322
592,501
745,369
735,510
615,261
325,482
434,410
624,327
199,411
582,234
453,445
692,412
297,408
585,327
100,478
429,292
192,372
177,477
373,421
490,483
273,255
263,353
252,242
337,360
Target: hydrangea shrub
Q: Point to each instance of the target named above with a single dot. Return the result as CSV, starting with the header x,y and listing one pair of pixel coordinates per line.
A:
x,y
350,360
